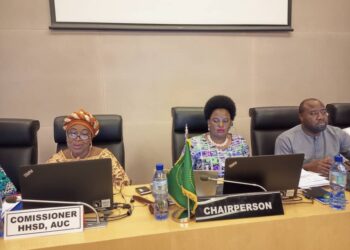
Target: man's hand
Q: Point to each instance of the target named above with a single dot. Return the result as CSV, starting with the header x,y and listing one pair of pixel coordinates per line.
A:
x,y
319,166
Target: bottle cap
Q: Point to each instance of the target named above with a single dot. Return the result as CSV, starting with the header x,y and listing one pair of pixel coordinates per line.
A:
x,y
338,158
159,166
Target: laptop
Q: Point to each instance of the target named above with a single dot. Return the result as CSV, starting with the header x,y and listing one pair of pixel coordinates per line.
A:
x,y
272,172
88,181
204,185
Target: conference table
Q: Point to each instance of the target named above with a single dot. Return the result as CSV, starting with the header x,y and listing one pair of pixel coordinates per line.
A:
x,y
303,226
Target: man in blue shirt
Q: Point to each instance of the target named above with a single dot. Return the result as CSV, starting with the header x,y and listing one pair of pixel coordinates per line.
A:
x,y
316,139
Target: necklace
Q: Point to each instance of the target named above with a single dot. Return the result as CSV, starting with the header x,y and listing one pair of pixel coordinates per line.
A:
x,y
219,145
78,158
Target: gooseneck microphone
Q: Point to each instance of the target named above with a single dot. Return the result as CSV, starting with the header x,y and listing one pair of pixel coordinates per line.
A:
x,y
14,199
207,178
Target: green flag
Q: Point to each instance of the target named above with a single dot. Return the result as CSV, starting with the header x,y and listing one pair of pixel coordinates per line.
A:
x,y
181,181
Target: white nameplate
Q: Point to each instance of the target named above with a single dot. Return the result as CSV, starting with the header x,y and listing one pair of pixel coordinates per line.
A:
x,y
43,221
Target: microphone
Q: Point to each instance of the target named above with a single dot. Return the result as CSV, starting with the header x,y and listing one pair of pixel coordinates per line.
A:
x,y
14,199
207,178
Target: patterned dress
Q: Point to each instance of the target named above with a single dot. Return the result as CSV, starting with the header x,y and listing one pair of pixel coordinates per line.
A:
x,y
6,186
206,156
119,176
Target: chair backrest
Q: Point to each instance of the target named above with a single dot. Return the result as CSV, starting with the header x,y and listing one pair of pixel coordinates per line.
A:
x,y
339,114
267,123
18,146
196,124
110,135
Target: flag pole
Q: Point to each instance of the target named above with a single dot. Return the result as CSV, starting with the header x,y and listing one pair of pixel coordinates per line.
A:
x,y
188,209
188,199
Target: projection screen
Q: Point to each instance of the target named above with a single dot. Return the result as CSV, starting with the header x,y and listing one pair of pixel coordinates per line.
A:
x,y
206,15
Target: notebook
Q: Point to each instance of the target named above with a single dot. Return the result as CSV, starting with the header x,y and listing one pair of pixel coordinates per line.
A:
x,y
273,172
204,186
88,181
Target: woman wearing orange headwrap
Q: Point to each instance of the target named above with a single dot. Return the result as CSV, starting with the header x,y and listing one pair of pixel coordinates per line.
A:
x,y
81,127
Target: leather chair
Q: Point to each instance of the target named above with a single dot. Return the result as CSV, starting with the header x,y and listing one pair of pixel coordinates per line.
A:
x,y
18,146
110,135
267,123
196,124
339,114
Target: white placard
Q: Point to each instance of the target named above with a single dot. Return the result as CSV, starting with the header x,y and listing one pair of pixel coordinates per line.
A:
x,y
44,221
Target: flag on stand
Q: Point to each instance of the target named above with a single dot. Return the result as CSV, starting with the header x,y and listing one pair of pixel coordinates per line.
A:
x,y
181,181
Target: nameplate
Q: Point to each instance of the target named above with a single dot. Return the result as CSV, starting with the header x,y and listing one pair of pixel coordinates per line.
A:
x,y
239,206
43,221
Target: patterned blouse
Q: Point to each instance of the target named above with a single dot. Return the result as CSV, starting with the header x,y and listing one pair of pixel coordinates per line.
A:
x,y
119,176
206,156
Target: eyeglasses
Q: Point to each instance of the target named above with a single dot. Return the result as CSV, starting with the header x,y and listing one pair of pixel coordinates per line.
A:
x,y
316,113
75,135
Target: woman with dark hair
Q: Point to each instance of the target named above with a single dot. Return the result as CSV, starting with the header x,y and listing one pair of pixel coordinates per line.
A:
x,y
210,150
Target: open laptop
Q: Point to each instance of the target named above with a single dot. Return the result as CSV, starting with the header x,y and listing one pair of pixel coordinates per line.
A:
x,y
88,181
273,172
205,181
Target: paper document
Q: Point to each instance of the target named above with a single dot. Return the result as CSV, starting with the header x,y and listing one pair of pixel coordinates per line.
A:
x,y
310,179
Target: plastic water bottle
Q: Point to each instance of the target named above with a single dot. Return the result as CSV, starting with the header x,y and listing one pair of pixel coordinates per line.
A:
x,y
337,180
160,193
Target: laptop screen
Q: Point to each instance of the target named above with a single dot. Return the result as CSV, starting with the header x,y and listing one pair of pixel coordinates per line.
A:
x,y
88,181
273,172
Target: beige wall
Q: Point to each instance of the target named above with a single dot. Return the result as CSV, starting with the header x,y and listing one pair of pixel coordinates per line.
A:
x,y
141,75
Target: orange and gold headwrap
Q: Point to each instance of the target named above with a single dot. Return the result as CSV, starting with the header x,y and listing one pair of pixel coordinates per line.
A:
x,y
83,118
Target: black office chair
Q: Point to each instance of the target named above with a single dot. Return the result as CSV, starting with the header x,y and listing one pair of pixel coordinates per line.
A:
x,y
339,114
267,123
196,124
110,135
18,146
